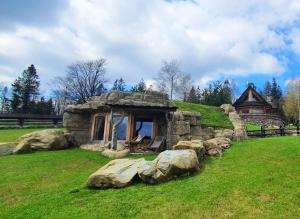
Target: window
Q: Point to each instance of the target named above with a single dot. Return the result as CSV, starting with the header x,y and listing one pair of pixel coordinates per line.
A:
x,y
99,129
122,127
144,127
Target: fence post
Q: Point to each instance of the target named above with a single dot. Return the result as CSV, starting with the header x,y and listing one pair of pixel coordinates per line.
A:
x,y
20,122
263,133
298,128
55,121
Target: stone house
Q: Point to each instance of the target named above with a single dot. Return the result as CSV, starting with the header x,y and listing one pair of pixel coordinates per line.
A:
x,y
149,114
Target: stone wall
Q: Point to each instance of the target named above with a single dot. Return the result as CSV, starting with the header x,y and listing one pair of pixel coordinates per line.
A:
x,y
268,120
185,126
78,125
237,122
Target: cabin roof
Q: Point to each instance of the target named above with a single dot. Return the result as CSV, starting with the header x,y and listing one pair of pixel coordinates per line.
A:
x,y
149,100
243,101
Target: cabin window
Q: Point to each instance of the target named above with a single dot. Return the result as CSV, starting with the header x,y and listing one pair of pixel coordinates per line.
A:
x,y
122,127
99,128
144,127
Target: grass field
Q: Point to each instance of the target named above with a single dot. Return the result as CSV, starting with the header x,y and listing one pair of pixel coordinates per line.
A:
x,y
257,178
210,115
11,135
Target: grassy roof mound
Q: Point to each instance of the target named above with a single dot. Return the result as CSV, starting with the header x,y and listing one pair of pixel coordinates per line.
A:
x,y
210,115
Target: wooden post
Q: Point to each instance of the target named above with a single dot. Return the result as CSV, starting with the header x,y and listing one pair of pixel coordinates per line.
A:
x,y
20,122
298,128
114,129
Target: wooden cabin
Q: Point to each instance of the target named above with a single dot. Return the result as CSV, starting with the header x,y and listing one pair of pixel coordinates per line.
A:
x,y
254,108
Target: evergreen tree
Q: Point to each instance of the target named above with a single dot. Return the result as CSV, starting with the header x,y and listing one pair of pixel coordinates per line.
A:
x,y
119,85
276,91
25,90
267,89
192,96
139,87
16,96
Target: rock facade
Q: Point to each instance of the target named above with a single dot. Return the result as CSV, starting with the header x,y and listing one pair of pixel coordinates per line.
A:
x,y
185,126
266,120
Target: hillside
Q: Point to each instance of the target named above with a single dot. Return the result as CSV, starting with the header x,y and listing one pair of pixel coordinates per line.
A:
x,y
210,115
257,178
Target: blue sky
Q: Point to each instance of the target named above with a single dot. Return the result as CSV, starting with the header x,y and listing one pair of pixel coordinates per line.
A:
x,y
248,41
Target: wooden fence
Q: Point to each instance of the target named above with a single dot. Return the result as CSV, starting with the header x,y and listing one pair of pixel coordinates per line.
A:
x,y
282,131
17,120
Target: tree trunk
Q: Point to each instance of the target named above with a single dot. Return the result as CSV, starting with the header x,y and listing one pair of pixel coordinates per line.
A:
x,y
114,129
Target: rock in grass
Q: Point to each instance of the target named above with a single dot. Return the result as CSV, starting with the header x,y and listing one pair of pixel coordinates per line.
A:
x,y
117,173
114,154
41,140
216,146
169,165
7,148
196,145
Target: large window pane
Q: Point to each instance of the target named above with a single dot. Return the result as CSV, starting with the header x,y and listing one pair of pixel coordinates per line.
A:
x,y
122,127
144,127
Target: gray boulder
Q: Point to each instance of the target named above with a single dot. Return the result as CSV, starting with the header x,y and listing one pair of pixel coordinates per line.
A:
x,y
216,146
7,148
41,140
117,173
169,165
115,153
196,145
225,133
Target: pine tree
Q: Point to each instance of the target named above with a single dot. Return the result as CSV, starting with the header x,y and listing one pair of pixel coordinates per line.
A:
x,y
25,89
119,85
16,96
267,89
192,96
276,91
139,87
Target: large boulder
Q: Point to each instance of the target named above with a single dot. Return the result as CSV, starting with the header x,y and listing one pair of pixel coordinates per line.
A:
x,y
7,148
168,165
41,140
225,133
117,173
196,145
216,146
114,154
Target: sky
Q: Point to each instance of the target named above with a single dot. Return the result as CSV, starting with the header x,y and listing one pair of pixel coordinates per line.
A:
x,y
241,40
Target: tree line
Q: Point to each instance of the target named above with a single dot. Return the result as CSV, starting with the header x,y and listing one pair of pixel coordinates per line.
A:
x,y
85,79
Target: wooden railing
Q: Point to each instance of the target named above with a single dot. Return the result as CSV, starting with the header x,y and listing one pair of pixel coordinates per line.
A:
x,y
17,120
281,131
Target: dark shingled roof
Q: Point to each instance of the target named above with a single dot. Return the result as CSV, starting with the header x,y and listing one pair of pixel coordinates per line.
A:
x,y
243,102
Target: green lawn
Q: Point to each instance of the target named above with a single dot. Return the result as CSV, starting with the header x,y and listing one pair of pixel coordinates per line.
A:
x,y
257,178
11,135
210,115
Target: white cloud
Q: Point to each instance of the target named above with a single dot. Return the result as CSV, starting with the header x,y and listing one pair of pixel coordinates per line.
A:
x,y
210,38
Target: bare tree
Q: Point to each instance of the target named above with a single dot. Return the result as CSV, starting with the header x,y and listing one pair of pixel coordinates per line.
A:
x,y
292,102
168,77
4,101
183,86
84,79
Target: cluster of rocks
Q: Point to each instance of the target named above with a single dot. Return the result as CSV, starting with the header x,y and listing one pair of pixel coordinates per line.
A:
x,y
168,165
39,140
185,159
